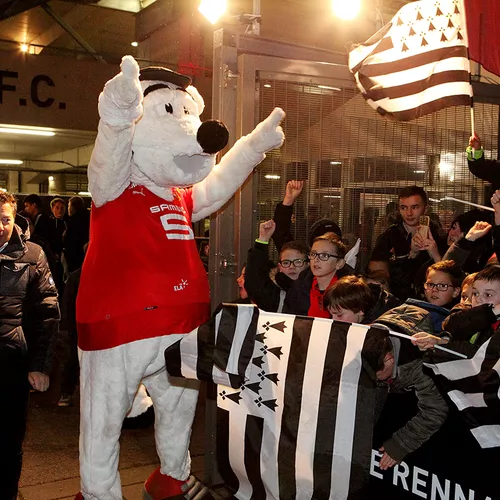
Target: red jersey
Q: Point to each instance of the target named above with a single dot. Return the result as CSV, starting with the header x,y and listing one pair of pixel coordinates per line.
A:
x,y
142,276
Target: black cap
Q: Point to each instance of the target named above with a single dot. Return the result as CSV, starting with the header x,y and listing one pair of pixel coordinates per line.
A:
x,y
322,226
164,75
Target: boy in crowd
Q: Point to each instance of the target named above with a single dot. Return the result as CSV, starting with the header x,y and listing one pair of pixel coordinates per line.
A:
x,y
326,266
354,300
441,290
466,293
472,327
397,364
270,295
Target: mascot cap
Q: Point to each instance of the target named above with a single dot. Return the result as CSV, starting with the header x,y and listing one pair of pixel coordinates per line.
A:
x,y
164,75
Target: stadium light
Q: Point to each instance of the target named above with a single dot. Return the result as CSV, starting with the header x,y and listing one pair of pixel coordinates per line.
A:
x,y
346,10
213,10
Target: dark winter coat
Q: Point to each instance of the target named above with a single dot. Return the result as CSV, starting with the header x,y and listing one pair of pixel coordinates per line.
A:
x,y
27,291
263,291
393,246
77,234
283,219
383,302
487,170
57,240
472,324
438,313
408,375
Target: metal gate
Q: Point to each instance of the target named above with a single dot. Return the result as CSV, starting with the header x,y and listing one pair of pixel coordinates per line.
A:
x,y
353,161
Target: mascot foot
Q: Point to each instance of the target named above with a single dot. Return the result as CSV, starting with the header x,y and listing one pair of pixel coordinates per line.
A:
x,y
162,487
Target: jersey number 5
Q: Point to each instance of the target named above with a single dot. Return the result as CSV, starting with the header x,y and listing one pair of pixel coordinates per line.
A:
x,y
176,227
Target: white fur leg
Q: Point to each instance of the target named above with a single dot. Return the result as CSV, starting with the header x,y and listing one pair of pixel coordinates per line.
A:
x,y
175,407
110,379
105,399
141,403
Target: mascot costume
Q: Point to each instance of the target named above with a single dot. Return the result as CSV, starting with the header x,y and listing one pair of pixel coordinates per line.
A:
x,y
143,286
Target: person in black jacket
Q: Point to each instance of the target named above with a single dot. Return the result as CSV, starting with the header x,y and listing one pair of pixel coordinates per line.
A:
x,y
487,170
402,250
43,225
26,288
267,294
77,233
283,215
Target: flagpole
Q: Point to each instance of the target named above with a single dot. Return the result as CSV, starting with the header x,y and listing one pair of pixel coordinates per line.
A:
x,y
450,198
409,337
472,118
367,327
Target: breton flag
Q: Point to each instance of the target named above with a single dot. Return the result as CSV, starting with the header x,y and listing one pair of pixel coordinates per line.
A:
x,y
418,63
473,385
300,426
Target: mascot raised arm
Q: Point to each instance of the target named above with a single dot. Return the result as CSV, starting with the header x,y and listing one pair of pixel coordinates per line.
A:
x,y
152,174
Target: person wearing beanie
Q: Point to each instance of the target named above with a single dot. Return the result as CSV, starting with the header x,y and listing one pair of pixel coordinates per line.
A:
x,y
323,226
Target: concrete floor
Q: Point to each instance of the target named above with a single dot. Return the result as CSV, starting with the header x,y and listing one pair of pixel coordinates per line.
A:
x,y
50,467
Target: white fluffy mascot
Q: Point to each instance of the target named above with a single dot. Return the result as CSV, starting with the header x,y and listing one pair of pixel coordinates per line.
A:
x,y
143,286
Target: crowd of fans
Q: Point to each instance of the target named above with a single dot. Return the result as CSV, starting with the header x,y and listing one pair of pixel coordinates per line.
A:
x,y
440,288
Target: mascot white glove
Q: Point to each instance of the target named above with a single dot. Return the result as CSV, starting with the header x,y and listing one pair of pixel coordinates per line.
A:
x,y
268,134
120,102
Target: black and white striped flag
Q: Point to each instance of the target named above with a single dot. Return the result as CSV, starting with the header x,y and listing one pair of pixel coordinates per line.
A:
x,y
219,350
418,63
301,424
473,385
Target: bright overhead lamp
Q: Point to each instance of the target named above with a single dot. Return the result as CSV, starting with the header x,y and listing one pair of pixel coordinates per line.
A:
x,y
10,162
267,85
272,177
51,178
27,131
346,10
134,44
24,47
213,10
84,193
335,163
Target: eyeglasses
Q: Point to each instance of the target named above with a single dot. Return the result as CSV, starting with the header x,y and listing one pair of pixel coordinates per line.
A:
x,y
440,287
294,262
323,256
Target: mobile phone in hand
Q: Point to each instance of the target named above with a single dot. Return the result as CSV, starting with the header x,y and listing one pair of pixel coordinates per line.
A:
x,y
423,226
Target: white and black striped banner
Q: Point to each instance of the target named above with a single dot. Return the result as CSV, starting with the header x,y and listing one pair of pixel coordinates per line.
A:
x,y
301,424
418,63
473,385
218,351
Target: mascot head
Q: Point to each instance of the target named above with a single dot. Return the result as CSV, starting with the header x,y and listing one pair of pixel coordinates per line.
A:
x,y
171,146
